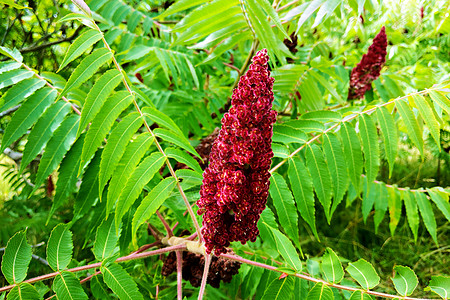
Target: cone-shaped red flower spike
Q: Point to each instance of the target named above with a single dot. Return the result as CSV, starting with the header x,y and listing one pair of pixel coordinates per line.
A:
x,y
369,67
236,182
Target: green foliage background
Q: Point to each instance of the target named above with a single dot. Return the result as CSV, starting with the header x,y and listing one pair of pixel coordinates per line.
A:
x,y
384,202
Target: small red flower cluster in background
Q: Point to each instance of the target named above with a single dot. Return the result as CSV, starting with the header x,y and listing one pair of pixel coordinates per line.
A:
x,y
236,182
369,67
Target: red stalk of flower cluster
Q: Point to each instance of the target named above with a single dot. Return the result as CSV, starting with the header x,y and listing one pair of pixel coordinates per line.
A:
x,y
236,182
369,67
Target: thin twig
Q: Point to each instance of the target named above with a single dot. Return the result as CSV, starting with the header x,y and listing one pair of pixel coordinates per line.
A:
x,y
46,45
168,229
205,276
179,274
309,278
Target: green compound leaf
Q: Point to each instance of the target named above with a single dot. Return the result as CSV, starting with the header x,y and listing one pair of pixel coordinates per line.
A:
x,y
405,280
440,285
369,139
43,131
381,204
441,100
440,198
161,119
59,248
16,258
364,273
285,207
20,92
332,267
103,122
67,287
279,289
320,292
353,154
140,177
62,139
412,126
9,66
321,178
389,130
106,239
115,148
24,291
302,188
80,45
27,115
138,147
120,282
86,69
98,95
360,295
337,167
14,53
152,202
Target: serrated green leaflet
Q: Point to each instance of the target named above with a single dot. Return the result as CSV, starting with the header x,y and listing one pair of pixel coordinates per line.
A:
x,y
19,92
114,149
412,213
428,116
440,285
59,247
359,295
369,138
42,131
176,139
161,119
88,192
80,45
381,205
286,135
126,165
352,152
322,116
27,115
320,292
321,178
440,198
441,99
426,211
286,249
280,150
13,77
364,273
412,126
405,280
184,158
16,258
67,287
120,282
24,291
103,122
395,208
14,54
302,188
138,179
86,69
285,206
336,165
106,239
389,130
8,66
98,95
279,289
58,145
306,126
152,202
370,195
68,175
332,267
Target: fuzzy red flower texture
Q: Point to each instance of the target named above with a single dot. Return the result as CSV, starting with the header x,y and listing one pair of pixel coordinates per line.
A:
x,y
368,69
236,182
